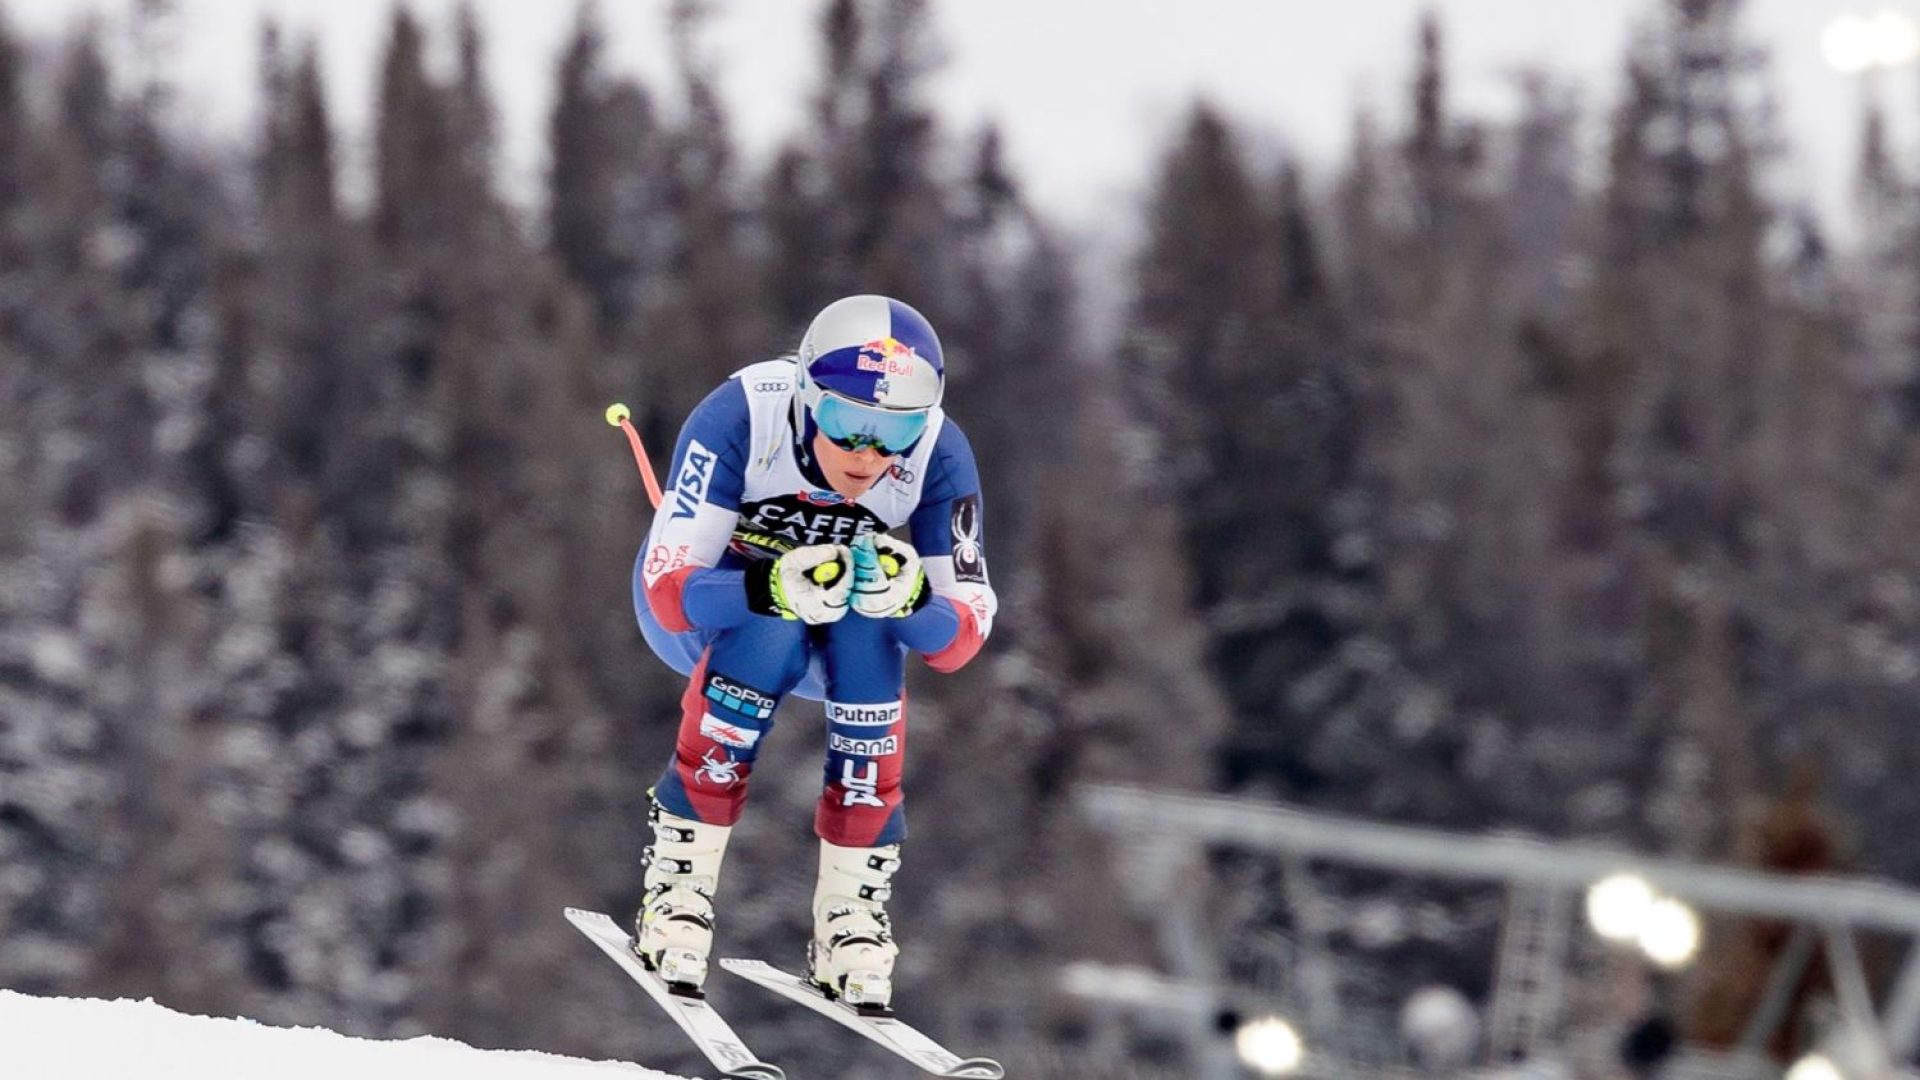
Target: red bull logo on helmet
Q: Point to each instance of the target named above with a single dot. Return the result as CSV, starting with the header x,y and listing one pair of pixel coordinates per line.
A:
x,y
887,356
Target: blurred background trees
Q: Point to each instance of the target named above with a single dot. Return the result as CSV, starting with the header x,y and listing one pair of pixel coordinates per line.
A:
x,y
1508,477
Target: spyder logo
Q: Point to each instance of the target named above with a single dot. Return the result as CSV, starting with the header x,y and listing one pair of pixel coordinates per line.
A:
x,y
721,773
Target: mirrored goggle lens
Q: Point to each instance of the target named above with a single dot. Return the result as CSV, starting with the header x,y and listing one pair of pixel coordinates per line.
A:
x,y
852,426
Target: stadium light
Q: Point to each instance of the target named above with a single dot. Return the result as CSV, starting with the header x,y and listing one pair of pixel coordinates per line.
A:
x,y
1670,933
1269,1046
1854,44
1626,910
1814,1067
1617,907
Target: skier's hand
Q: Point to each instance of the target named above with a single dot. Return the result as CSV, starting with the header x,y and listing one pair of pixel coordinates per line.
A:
x,y
810,584
888,581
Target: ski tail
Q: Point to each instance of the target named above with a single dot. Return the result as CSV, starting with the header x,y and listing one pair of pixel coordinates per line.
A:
x,y
901,1038
712,1034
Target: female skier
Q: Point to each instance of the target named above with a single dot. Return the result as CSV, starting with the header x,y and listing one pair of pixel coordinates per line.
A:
x,y
770,570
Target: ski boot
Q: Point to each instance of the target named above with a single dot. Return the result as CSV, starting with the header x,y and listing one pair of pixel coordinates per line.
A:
x,y
851,955
673,932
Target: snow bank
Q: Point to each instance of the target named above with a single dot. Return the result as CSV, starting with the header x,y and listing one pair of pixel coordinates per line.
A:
x,y
81,1039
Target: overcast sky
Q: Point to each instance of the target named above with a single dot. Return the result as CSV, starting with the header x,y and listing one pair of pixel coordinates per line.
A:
x,y
1084,89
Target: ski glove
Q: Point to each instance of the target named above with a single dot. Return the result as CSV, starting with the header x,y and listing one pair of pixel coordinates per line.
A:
x,y
810,584
888,581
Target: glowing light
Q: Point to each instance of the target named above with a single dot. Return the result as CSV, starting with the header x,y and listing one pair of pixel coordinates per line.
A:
x,y
1439,1023
1896,39
1814,1067
1617,907
1847,45
1269,1046
1670,933
1853,44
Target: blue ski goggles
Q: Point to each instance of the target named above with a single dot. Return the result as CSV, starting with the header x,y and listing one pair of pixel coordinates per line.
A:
x,y
851,425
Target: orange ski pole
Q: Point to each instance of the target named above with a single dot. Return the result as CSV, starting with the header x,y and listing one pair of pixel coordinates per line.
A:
x,y
621,417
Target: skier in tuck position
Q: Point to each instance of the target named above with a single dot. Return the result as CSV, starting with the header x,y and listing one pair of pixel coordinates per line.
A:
x,y
769,571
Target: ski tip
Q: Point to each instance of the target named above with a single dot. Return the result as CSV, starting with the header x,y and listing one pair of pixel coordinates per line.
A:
x,y
758,1071
589,920
977,1069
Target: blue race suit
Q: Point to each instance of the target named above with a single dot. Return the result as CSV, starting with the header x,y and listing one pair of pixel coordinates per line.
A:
x,y
744,489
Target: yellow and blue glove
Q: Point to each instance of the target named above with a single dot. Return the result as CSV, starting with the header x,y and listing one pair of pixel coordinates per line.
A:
x,y
888,580
811,584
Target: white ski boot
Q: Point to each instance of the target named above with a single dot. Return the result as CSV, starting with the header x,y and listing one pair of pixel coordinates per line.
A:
x,y
673,933
852,951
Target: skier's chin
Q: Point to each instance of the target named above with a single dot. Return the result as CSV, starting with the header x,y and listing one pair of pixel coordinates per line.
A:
x,y
852,485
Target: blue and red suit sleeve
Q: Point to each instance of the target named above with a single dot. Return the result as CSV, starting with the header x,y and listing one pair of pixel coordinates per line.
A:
x,y
946,530
685,587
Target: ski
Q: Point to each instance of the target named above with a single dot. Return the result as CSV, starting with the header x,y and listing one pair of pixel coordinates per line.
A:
x,y
698,1019
896,1036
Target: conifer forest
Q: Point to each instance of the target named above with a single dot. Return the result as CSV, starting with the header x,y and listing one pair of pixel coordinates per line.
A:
x,y
1551,474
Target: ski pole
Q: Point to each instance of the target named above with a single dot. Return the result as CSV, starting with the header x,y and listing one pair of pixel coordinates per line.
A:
x,y
621,417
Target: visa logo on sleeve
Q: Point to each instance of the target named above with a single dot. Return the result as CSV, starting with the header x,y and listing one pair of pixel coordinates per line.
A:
x,y
690,486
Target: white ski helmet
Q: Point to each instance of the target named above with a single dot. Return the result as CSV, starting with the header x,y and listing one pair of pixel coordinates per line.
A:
x,y
870,373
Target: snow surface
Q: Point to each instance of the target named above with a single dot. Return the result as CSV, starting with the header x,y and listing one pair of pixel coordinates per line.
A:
x,y
85,1039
